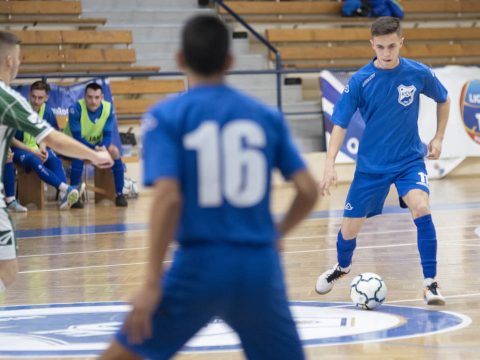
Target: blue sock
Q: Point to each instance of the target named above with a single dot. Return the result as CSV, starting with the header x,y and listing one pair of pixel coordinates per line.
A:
x,y
76,173
427,245
9,179
118,176
345,250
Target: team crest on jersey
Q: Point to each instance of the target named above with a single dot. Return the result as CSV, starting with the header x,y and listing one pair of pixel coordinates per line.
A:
x,y
406,94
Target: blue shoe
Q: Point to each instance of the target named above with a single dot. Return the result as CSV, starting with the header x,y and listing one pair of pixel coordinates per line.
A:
x,y
16,207
69,198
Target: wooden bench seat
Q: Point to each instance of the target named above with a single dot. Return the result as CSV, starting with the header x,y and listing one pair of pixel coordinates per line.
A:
x,y
421,52
134,97
363,34
34,21
87,69
324,10
326,7
146,86
77,56
40,7
73,37
342,47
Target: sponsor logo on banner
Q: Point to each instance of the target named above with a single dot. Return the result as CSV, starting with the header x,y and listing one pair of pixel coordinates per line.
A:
x,y
470,109
85,329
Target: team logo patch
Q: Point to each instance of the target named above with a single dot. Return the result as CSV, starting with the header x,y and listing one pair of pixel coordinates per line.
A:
x,y
406,94
470,109
348,206
85,329
6,237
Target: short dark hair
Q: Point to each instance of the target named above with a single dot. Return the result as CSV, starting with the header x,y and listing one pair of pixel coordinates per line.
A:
x,y
205,44
386,25
40,85
94,86
8,38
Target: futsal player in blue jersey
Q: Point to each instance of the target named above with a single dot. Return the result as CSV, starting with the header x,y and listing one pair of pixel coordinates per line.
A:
x,y
387,91
209,154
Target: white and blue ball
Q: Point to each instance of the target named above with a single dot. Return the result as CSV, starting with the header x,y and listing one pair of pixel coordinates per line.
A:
x,y
368,291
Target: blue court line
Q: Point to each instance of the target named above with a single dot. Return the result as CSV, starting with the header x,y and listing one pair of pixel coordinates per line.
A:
x,y
123,228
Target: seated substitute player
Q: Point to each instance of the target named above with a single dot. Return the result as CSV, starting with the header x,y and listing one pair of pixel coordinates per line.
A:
x,y
90,121
387,93
17,114
9,185
39,158
209,155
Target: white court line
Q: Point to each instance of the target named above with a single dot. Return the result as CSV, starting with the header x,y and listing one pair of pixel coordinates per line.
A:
x,y
83,267
83,252
357,248
283,252
84,234
447,297
381,232
287,238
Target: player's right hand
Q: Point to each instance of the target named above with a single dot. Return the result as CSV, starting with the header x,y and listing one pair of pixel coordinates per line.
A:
x,y
138,325
102,159
329,179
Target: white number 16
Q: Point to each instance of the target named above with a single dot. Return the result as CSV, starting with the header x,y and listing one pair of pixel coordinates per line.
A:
x,y
230,163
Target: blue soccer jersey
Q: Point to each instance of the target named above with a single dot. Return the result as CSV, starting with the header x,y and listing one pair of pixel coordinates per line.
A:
x,y
388,101
221,146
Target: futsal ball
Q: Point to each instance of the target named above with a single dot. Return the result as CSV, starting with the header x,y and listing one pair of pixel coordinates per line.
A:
x,y
368,290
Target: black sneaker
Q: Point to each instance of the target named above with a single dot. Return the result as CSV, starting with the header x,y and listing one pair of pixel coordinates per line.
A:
x,y
78,205
121,201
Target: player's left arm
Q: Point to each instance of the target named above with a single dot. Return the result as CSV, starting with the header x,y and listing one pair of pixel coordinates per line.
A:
x,y
435,90
435,145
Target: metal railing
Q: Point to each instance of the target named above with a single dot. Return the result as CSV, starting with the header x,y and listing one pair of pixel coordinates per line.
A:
x,y
278,57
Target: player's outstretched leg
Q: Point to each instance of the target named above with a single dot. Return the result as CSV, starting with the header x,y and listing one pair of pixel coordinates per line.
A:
x,y
427,247
418,203
346,243
345,250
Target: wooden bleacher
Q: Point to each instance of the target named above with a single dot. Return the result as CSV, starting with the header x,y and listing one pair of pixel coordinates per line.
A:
x,y
348,47
134,97
50,12
329,10
88,51
74,37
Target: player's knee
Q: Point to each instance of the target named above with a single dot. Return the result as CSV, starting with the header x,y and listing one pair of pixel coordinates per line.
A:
x,y
349,233
114,152
8,272
419,210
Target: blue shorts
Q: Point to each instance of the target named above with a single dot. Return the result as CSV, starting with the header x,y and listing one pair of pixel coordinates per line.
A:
x,y
368,191
241,284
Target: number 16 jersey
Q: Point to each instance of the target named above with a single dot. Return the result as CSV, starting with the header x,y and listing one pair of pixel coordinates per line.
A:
x,y
221,146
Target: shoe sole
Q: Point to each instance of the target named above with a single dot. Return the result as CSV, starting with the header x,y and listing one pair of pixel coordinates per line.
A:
x,y
322,293
72,198
435,302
